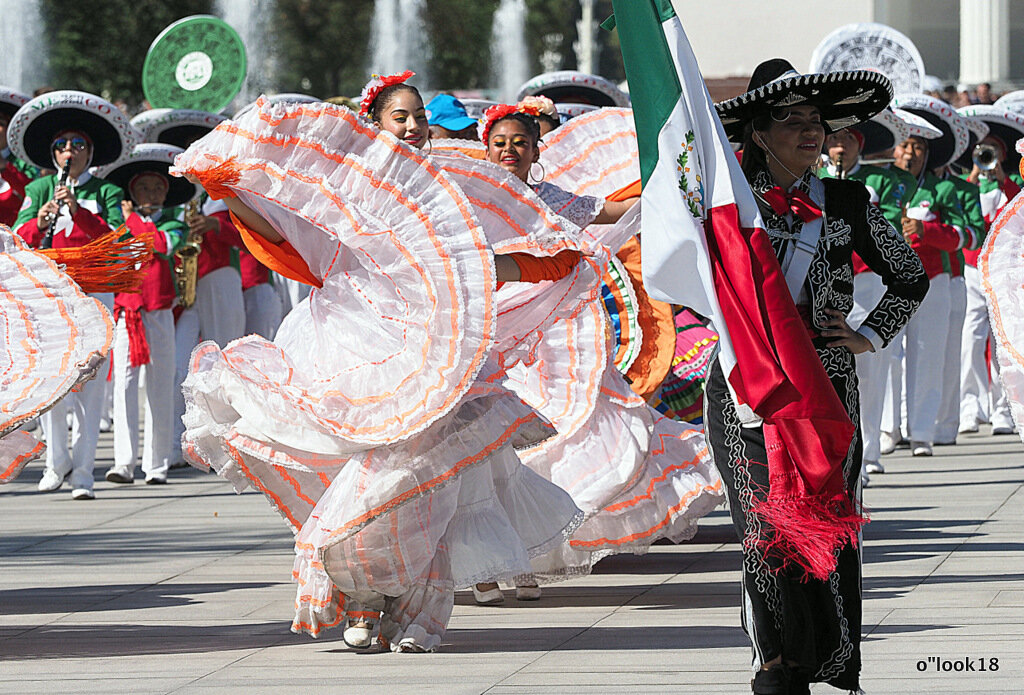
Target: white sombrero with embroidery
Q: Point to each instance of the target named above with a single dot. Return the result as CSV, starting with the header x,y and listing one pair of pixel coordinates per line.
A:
x,y
1005,125
571,86
891,126
956,135
179,127
11,100
35,125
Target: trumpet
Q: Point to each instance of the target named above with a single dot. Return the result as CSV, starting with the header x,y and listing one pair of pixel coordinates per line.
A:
x,y
985,157
186,268
51,219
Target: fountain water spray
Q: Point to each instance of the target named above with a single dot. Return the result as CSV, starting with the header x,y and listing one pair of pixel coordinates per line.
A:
x,y
510,66
253,20
398,39
24,65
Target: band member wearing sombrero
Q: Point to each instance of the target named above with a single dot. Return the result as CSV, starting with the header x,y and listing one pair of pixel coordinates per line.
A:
x,y
805,629
219,310
982,398
14,172
144,334
936,227
889,189
71,131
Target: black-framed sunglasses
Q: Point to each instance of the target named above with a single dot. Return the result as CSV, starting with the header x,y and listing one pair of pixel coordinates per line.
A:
x,y
77,144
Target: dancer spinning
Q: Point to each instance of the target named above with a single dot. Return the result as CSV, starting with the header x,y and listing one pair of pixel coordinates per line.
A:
x,y
375,422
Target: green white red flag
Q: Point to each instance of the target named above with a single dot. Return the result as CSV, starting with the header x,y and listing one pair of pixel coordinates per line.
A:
x,y
704,246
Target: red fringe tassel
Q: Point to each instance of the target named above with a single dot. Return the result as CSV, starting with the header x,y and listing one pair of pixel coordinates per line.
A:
x,y
808,532
112,263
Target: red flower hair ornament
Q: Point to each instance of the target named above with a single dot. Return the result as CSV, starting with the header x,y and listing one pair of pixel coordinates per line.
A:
x,y
495,113
374,87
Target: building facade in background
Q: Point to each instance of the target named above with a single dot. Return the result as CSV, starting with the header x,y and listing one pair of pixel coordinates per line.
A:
x,y
961,41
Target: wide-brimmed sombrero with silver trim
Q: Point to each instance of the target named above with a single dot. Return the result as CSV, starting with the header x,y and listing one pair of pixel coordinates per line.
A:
x,y
1005,125
149,157
955,134
890,126
179,127
11,100
39,121
844,98
573,87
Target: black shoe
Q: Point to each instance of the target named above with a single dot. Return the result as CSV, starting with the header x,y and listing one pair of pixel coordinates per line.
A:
x,y
799,684
774,681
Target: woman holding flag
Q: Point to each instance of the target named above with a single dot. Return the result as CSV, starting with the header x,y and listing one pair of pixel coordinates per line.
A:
x,y
772,246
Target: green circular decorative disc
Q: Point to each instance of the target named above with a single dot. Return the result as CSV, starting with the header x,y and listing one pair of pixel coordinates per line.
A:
x,y
196,63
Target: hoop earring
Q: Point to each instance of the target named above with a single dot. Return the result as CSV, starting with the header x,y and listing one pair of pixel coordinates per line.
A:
x,y
543,173
430,147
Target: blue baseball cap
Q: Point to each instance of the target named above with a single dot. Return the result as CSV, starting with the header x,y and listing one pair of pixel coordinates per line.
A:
x,y
448,112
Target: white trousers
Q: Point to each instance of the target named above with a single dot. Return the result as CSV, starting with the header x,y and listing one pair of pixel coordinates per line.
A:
x,y
974,402
925,360
85,407
872,367
292,292
263,310
217,315
948,421
157,378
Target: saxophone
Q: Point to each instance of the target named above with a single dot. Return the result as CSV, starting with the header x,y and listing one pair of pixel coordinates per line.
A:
x,y
186,267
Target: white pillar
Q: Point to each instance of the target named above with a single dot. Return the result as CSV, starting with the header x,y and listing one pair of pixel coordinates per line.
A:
x,y
586,58
984,40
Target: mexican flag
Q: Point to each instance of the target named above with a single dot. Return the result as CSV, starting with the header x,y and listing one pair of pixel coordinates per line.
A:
x,y
704,246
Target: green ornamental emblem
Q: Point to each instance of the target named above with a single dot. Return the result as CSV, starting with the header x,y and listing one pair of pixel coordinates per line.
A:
x,y
195,63
690,181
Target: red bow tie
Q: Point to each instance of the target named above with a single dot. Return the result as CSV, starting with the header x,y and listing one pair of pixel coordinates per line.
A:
x,y
797,202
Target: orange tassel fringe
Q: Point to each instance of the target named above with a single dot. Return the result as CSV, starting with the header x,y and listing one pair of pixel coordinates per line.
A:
x,y
112,263
215,181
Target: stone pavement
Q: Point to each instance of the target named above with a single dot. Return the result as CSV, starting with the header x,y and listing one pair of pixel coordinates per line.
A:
x,y
186,589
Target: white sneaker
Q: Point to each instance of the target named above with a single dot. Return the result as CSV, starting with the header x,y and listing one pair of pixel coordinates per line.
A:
x,y
968,427
488,597
874,467
105,424
50,481
83,493
921,448
120,475
887,443
1002,425
865,479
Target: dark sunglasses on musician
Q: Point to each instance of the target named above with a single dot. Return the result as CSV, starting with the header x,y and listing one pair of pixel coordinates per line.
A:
x,y
77,144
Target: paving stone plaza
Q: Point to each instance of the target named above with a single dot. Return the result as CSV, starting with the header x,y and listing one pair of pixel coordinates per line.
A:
x,y
185,588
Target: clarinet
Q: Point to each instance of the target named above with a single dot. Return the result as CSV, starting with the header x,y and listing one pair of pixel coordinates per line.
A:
x,y
47,241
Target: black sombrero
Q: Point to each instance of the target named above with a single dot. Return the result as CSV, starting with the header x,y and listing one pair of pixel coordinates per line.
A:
x,y
154,158
1003,124
955,135
35,125
11,100
178,127
844,98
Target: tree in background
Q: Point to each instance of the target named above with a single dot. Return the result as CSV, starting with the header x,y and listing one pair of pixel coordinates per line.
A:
x,y
322,46
99,47
460,37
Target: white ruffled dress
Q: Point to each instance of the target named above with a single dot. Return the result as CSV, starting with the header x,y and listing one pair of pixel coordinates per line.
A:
x,y
637,475
1001,277
54,337
376,422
